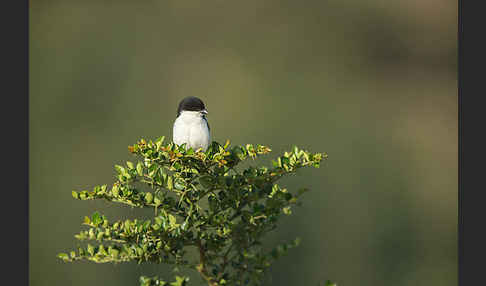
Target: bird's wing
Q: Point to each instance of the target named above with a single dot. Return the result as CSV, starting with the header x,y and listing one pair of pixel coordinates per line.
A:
x,y
207,123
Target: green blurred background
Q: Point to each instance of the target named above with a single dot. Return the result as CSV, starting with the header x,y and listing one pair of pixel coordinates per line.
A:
x,y
372,83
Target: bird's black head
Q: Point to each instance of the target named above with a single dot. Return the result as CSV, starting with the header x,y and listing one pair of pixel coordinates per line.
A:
x,y
191,103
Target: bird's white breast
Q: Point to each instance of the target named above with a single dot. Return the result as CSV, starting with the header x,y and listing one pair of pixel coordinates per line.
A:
x,y
191,128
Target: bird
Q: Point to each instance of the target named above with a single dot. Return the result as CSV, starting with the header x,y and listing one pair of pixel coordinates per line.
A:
x,y
191,125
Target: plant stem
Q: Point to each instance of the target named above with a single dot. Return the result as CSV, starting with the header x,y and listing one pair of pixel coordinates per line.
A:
x,y
201,268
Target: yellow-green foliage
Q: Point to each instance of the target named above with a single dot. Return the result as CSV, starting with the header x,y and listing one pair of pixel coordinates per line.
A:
x,y
201,200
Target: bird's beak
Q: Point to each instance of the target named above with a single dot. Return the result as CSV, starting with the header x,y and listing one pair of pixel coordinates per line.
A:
x,y
204,111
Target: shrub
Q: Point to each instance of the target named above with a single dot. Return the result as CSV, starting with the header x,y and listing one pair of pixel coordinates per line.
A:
x,y
201,200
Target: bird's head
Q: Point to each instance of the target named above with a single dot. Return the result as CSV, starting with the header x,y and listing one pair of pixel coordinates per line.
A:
x,y
192,103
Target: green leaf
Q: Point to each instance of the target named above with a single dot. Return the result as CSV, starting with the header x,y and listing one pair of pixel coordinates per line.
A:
x,y
169,182
139,169
101,250
287,211
75,194
159,141
90,249
226,145
177,166
144,281
149,197
113,252
179,185
115,191
129,165
297,241
172,220
96,219
120,170
180,281
63,256
156,226
157,201
146,225
126,226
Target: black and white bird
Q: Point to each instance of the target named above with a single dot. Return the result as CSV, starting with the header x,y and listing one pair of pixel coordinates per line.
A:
x,y
191,126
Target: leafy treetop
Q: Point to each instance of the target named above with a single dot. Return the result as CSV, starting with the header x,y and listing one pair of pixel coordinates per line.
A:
x,y
201,200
